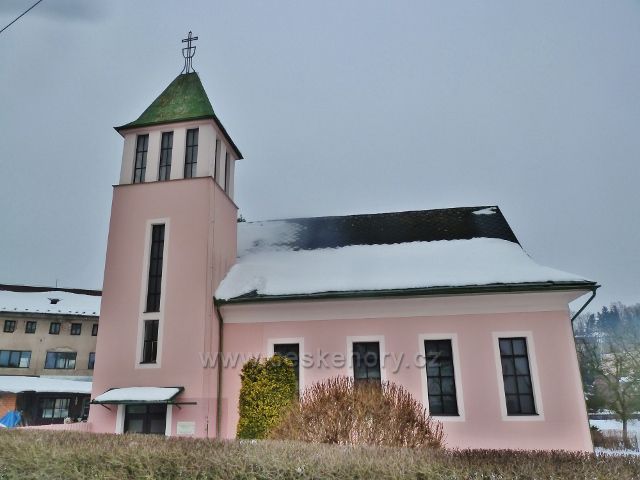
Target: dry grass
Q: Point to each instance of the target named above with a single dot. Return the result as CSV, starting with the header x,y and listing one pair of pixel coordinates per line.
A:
x,y
70,455
340,411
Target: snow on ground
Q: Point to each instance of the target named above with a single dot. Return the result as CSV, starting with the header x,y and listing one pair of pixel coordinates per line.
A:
x,y
616,453
633,426
17,384
270,269
138,394
39,302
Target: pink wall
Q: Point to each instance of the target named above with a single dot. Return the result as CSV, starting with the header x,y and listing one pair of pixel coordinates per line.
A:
x,y
200,242
564,423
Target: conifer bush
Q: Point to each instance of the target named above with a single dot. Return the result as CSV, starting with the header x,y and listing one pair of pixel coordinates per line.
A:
x,y
340,411
268,389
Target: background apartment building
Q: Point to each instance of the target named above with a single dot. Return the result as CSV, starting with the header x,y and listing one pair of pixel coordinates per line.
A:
x,y
48,331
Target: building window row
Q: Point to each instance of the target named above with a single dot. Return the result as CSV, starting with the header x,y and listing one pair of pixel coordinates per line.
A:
x,y
54,327
440,372
54,360
190,158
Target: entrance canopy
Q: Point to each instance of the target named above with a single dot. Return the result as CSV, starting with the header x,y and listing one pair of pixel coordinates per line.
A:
x,y
133,395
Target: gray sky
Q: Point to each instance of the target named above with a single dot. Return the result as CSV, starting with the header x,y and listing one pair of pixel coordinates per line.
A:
x,y
338,107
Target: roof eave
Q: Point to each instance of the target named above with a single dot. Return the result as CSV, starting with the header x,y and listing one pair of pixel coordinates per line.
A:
x,y
413,292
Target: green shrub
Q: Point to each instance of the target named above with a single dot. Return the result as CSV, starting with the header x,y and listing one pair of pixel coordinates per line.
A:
x,y
37,455
339,411
268,388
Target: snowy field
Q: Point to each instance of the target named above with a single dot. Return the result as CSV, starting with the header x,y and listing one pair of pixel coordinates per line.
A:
x,y
633,426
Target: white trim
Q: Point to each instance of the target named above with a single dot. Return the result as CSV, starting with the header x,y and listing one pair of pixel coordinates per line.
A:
x,y
300,341
455,351
403,307
143,293
367,338
535,380
120,419
168,420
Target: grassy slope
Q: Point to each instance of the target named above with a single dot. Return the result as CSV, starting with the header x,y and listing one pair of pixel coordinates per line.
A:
x,y
51,455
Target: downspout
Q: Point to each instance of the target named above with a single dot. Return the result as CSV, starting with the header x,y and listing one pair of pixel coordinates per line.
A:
x,y
593,295
220,365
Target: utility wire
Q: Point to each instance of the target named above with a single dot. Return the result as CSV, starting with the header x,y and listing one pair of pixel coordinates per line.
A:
x,y
20,16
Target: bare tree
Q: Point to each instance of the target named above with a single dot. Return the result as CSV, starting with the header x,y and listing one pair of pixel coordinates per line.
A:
x,y
614,363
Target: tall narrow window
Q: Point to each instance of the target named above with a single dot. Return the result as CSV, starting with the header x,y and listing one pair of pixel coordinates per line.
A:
x,y
516,374
366,361
94,330
441,384
166,146
227,173
154,285
150,344
292,352
191,153
216,161
142,144
92,360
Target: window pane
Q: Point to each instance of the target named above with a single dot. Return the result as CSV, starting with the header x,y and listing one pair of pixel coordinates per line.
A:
x,y
510,384
522,365
519,346
507,366
526,404
505,347
4,358
135,425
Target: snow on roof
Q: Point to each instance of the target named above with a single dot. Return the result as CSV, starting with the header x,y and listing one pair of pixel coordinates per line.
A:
x,y
485,211
138,394
41,302
273,270
17,384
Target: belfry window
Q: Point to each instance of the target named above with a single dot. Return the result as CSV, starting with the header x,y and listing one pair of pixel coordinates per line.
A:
x,y
191,153
216,165
140,166
166,146
227,172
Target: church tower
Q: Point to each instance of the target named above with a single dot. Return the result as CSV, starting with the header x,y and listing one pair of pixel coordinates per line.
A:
x,y
172,238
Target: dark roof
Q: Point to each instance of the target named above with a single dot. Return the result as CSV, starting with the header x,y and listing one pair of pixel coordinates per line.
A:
x,y
398,227
183,100
30,288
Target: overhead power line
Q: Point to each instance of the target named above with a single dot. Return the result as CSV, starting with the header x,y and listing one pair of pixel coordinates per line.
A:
x,y
20,16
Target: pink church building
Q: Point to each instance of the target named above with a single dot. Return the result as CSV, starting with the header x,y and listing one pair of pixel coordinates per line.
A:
x,y
444,302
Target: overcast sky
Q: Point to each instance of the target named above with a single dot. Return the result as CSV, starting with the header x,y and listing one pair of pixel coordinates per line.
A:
x,y
339,107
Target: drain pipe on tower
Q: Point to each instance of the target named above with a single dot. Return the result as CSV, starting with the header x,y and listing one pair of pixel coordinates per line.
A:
x,y
220,365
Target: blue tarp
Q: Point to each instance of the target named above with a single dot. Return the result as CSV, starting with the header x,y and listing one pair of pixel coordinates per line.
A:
x,y
11,419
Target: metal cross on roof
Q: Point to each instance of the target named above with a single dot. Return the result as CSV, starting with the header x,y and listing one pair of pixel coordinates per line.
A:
x,y
188,52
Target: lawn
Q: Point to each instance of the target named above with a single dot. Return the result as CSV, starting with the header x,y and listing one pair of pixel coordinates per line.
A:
x,y
70,455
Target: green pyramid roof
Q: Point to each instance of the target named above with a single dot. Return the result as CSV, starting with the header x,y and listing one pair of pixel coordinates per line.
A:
x,y
184,99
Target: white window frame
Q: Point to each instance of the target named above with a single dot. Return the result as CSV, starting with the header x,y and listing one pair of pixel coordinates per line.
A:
x,y
533,370
271,342
143,294
457,375
367,338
